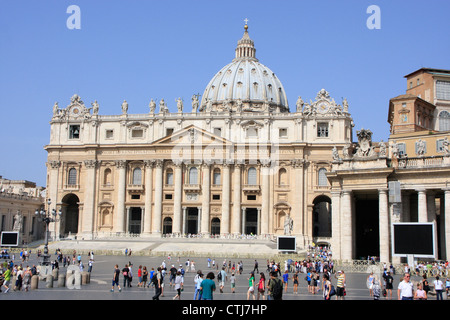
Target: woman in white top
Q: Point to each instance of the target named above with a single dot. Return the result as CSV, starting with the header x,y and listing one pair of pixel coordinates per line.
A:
x,y
178,285
438,287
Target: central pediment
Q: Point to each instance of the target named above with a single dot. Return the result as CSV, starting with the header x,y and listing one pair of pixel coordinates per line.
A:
x,y
191,136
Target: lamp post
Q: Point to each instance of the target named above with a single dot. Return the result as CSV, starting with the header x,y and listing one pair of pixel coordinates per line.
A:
x,y
47,217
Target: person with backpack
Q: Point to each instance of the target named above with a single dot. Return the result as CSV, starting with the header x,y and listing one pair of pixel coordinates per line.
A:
x,y
156,281
275,287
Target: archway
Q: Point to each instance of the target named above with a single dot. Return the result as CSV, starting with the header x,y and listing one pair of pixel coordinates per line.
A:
x,y
70,215
215,226
322,217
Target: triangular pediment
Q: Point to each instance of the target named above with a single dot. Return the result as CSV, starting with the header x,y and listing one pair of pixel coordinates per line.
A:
x,y
191,135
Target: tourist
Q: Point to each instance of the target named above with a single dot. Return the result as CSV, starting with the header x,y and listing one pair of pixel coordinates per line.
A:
x,y
438,287
326,287
198,279
295,282
275,287
178,285
251,286
139,276
340,286
389,284
125,273
420,294
208,286
156,280
405,288
261,286
285,280
115,280
233,283
222,277
144,276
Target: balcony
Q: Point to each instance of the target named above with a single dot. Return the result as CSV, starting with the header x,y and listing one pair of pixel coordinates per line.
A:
x,y
251,188
191,187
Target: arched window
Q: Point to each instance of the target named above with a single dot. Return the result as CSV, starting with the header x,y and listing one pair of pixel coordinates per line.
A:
x,y
444,121
107,177
322,181
193,175
72,180
216,176
282,177
169,177
251,176
137,176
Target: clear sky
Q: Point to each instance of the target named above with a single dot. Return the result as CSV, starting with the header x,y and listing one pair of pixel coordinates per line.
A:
x,y
142,49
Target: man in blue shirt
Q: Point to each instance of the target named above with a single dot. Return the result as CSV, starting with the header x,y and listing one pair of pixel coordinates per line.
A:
x,y
208,286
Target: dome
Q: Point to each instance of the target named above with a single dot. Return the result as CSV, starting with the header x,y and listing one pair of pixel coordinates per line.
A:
x,y
245,84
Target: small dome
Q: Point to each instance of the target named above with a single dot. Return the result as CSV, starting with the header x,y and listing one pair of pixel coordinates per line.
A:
x,y
245,84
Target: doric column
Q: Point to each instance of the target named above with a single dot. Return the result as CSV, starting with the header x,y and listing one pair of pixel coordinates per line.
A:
x,y
148,195
346,226
206,195
336,224
422,205
447,223
236,221
89,199
383,212
177,197
297,207
157,215
119,221
265,192
226,189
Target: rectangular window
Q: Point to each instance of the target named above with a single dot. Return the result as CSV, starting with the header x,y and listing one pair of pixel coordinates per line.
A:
x,y
218,131
74,132
169,131
252,133
440,145
401,149
137,133
322,130
282,133
135,196
216,196
443,90
251,197
168,196
109,134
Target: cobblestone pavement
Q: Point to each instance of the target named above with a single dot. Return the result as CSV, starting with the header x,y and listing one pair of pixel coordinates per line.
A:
x,y
101,276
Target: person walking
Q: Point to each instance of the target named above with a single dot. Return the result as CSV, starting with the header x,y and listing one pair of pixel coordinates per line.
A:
x,y
197,284
295,282
7,279
275,287
156,280
222,277
126,279
340,286
326,286
115,279
251,286
405,288
208,286
389,285
178,285
233,283
420,294
285,280
261,286
438,287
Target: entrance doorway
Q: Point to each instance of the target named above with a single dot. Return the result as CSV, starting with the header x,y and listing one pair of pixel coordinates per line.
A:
x,y
167,225
70,214
192,221
251,221
134,220
367,227
215,226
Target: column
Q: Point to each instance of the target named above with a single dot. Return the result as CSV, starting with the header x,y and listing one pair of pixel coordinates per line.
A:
x,y
157,215
206,196
265,192
236,222
199,218
226,188
431,207
177,195
346,226
148,196
383,212
422,206
89,199
297,201
244,217
336,224
52,191
184,220
119,221
447,223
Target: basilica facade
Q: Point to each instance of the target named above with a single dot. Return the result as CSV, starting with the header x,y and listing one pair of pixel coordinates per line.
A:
x,y
235,161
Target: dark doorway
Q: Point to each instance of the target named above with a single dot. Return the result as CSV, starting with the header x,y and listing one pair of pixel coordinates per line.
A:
x,y
367,228
322,217
167,225
215,226
251,221
134,220
192,221
70,214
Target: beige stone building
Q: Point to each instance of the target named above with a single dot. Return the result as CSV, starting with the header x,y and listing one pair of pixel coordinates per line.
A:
x,y
240,161
19,199
237,161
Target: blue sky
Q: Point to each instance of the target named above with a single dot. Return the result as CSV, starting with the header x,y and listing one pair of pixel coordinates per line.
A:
x,y
142,49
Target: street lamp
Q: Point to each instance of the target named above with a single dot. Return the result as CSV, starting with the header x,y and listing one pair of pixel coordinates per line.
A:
x,y
47,217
